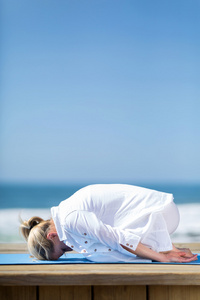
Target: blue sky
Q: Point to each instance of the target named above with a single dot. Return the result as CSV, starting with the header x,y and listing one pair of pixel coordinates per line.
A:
x,y
100,91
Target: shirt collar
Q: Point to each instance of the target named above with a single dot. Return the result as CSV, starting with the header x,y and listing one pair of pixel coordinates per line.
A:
x,y
55,216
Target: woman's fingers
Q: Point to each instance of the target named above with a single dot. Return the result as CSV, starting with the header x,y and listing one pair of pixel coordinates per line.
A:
x,y
193,258
185,254
180,257
186,250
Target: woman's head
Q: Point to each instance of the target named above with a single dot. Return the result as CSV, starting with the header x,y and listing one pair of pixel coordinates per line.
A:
x,y
35,231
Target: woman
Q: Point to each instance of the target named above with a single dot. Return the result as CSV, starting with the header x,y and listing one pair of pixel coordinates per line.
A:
x,y
109,223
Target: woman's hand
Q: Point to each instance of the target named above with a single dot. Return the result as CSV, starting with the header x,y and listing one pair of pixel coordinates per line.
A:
x,y
178,256
186,250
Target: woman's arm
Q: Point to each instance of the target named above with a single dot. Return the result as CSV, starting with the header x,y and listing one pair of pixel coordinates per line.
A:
x,y
169,256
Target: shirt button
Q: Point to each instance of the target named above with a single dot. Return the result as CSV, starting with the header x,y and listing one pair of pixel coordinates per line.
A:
x,y
84,250
72,246
109,249
131,246
127,244
85,233
95,250
86,242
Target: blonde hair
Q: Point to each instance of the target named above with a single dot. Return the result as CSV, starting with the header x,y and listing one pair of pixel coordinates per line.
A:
x,y
35,232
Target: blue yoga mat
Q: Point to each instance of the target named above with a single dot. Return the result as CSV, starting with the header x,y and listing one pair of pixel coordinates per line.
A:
x,y
74,258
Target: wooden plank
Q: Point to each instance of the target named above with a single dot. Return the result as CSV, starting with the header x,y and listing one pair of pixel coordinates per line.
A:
x,y
65,293
174,292
194,247
13,248
18,293
119,292
100,274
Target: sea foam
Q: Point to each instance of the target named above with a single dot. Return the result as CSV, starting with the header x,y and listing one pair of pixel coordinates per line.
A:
x,y
188,230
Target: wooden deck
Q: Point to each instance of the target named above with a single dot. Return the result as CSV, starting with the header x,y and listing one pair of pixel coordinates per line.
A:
x,y
106,282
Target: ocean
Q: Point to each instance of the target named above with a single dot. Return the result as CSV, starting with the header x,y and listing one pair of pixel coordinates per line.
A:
x,y
27,200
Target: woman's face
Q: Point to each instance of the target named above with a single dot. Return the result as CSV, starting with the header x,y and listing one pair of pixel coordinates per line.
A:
x,y
59,248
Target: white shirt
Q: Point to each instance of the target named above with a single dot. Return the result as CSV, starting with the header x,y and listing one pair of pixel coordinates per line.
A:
x,y
98,218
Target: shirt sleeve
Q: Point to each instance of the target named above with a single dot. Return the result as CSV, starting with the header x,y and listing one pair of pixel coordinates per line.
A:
x,y
85,223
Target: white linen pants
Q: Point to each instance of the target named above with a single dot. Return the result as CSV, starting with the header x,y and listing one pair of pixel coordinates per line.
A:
x,y
171,216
